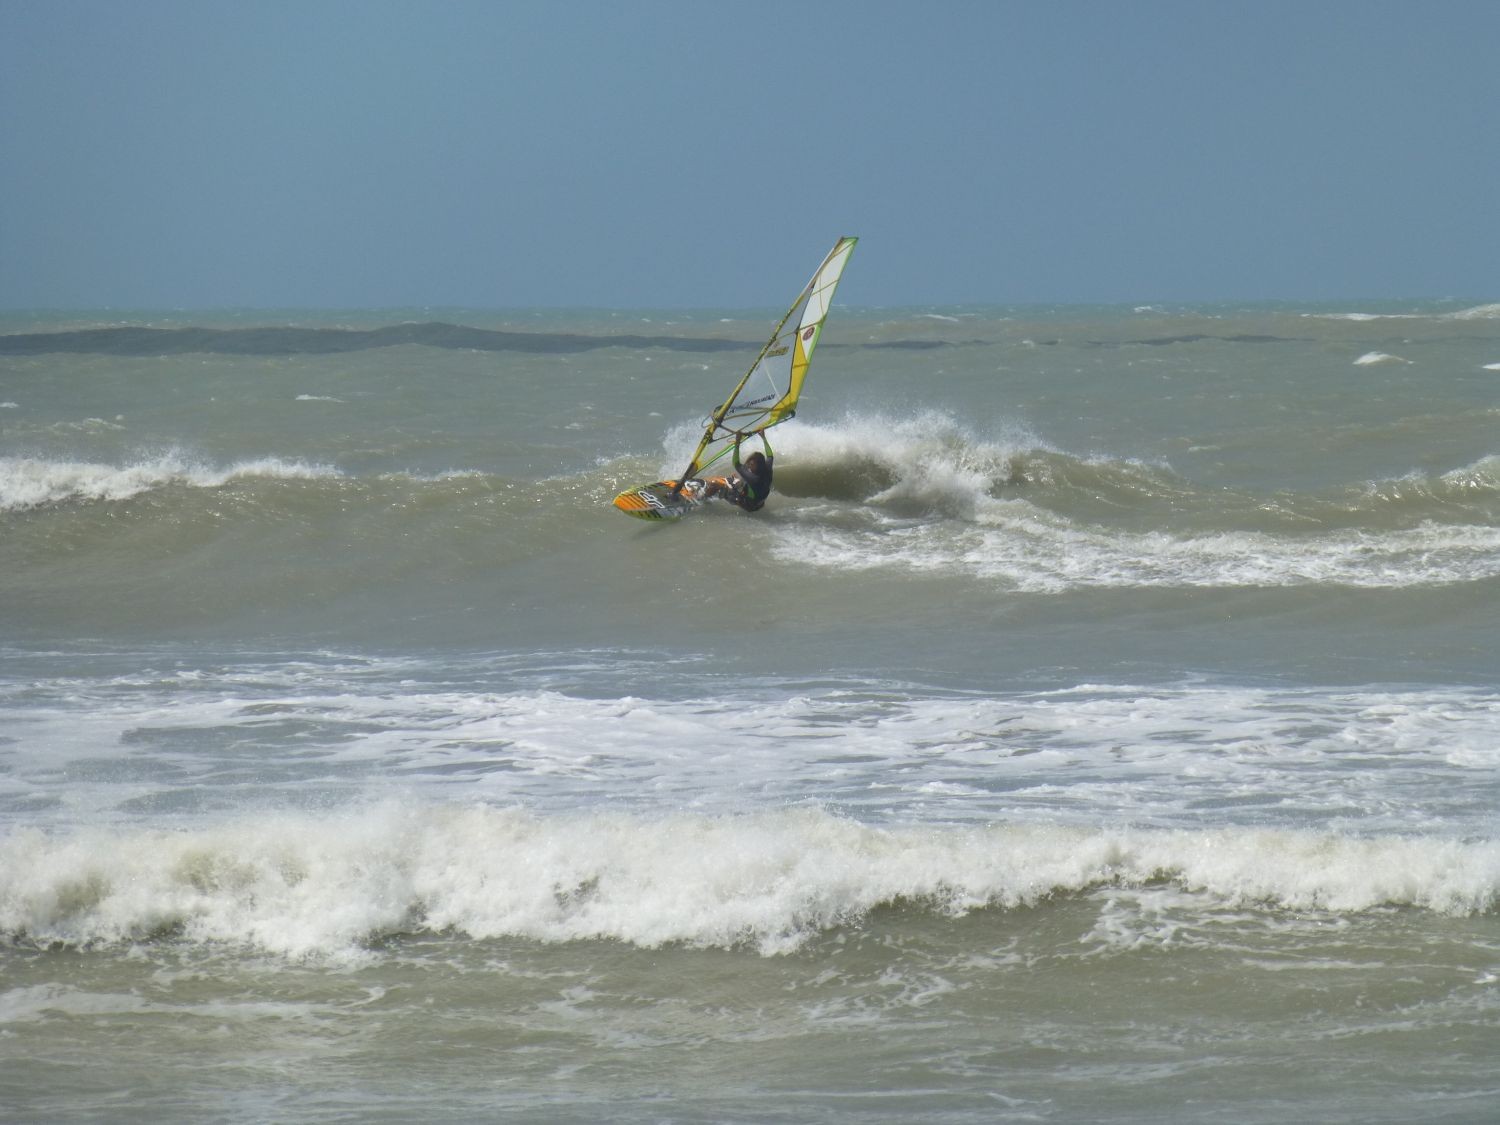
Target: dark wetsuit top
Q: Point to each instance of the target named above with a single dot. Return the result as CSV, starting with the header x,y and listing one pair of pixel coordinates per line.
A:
x,y
751,490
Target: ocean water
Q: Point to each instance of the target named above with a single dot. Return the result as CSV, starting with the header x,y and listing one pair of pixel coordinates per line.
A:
x,y
1100,722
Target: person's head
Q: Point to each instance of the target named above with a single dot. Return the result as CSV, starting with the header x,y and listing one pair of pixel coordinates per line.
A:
x,y
756,461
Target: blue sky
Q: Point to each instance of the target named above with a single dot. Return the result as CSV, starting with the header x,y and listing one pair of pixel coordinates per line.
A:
x,y
159,154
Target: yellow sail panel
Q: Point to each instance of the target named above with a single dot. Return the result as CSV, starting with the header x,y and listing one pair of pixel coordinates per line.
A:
x,y
787,406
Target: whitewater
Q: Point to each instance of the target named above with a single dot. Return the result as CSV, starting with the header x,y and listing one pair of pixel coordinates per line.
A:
x,y
1098,723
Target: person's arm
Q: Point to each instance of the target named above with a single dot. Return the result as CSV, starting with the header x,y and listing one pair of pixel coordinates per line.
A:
x,y
765,441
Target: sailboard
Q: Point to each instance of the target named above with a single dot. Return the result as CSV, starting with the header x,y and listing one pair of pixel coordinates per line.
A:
x,y
766,396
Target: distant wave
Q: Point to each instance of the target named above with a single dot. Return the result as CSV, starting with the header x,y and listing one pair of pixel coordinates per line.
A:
x,y
136,341
141,341
300,884
1478,312
1197,337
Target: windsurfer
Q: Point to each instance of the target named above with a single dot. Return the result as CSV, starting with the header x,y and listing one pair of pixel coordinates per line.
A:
x,y
765,396
751,483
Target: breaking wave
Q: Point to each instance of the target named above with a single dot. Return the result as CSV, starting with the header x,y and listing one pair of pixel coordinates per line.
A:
x,y
926,495
301,885
27,482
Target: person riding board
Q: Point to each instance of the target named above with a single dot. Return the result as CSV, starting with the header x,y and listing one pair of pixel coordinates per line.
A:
x,y
751,483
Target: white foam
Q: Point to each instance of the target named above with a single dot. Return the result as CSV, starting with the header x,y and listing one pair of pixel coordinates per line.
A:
x,y
27,482
36,1002
317,398
1371,359
1382,760
1026,549
434,478
1492,367
933,462
717,830
320,884
88,425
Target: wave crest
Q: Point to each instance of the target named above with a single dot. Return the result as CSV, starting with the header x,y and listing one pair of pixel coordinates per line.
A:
x,y
932,464
1429,492
318,885
27,482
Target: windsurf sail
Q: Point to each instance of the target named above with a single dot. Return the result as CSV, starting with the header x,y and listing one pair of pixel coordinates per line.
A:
x,y
768,393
